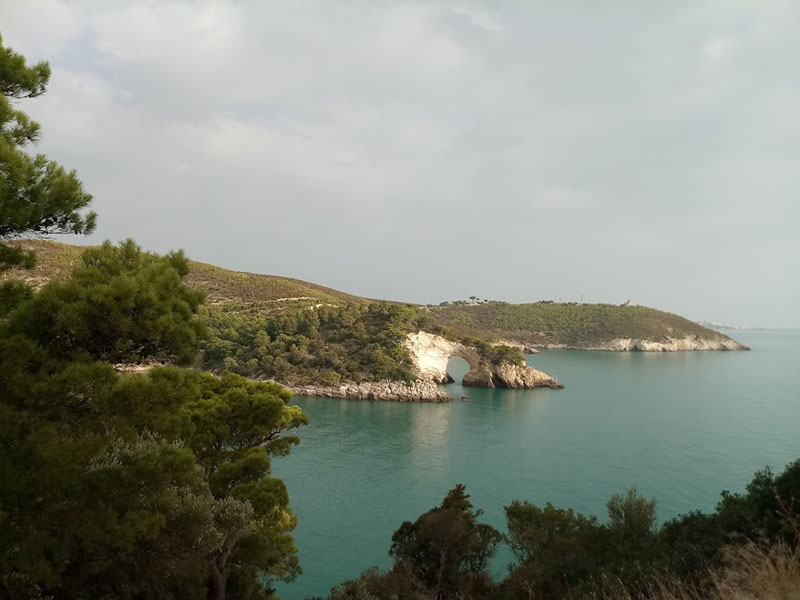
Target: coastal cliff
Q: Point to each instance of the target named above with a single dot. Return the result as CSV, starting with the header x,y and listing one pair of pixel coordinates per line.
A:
x,y
685,344
430,354
689,343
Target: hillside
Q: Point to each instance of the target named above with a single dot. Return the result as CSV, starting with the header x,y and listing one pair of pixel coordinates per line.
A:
x,y
238,301
585,326
224,286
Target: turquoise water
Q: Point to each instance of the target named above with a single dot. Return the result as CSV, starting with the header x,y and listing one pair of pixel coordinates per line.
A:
x,y
679,426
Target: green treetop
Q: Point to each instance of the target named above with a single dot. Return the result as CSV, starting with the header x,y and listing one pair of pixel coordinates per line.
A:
x,y
119,305
446,550
38,197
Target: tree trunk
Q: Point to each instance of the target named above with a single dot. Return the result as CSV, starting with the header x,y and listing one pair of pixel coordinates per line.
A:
x,y
216,582
218,568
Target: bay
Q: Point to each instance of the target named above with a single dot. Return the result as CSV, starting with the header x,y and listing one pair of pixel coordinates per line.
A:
x,y
680,426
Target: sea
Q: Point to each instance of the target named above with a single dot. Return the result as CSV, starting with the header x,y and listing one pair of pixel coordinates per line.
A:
x,y
680,427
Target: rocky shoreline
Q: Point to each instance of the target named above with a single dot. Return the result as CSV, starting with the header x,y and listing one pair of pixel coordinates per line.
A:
x,y
380,391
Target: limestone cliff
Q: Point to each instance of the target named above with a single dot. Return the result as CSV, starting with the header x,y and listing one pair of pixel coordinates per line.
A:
x,y
430,354
684,344
677,344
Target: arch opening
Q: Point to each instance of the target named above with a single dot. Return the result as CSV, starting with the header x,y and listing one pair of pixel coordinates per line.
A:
x,y
457,367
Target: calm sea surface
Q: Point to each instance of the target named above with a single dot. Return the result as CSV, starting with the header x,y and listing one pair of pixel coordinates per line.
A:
x,y
679,426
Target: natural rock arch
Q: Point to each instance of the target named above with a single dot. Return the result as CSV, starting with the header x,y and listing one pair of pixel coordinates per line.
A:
x,y
457,369
431,354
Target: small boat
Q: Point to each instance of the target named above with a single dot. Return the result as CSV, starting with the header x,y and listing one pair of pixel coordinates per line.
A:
x,y
464,398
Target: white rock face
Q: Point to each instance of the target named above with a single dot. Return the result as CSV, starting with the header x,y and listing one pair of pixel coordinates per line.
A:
x,y
671,345
430,354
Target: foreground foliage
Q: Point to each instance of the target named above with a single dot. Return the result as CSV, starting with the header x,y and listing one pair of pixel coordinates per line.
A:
x,y
749,547
154,485
119,305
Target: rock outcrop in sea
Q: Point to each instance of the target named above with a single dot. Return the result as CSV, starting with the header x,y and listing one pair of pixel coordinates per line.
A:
x,y
430,354
509,376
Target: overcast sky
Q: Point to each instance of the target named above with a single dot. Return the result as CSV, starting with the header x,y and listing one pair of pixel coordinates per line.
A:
x,y
432,151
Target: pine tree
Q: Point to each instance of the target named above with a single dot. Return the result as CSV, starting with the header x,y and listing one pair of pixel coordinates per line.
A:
x,y
38,197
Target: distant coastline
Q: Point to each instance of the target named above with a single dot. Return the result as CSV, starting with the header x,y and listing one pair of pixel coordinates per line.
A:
x,y
731,327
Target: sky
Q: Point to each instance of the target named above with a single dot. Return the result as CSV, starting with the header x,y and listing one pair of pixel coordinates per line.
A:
x,y
430,151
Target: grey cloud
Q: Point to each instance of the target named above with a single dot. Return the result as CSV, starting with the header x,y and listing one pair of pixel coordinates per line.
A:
x,y
427,151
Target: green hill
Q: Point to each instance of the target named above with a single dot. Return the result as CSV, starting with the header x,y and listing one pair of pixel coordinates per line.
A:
x,y
266,326
589,326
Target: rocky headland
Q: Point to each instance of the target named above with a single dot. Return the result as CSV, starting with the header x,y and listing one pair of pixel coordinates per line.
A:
x,y
548,324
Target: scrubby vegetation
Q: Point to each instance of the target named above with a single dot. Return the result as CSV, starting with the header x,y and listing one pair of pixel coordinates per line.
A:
x,y
496,353
746,549
581,325
356,341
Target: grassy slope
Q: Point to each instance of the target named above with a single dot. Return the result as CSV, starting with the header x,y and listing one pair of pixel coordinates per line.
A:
x,y
579,325
54,261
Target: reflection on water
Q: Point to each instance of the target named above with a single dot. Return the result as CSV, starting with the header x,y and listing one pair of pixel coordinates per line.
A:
x,y
430,444
429,427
